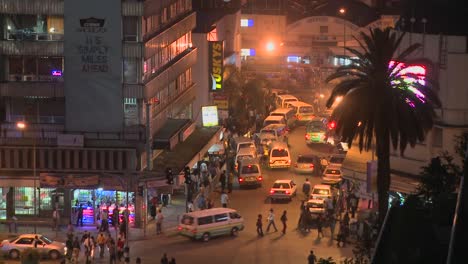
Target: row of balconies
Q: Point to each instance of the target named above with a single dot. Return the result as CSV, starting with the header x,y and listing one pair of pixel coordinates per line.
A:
x,y
55,7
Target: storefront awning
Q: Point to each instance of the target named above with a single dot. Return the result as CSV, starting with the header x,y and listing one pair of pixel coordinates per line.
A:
x,y
164,138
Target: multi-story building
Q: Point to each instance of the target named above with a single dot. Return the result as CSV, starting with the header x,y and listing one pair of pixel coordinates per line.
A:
x,y
81,76
218,22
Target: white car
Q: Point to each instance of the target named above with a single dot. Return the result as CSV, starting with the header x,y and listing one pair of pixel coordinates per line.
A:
x,y
332,175
45,246
320,192
316,206
282,189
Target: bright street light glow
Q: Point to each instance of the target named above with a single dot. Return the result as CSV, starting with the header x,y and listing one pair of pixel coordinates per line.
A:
x,y
21,125
342,11
338,99
270,46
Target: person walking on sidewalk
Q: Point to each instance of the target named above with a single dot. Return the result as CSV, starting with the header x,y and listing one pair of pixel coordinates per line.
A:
x,y
223,180
101,241
284,219
271,221
112,255
259,225
159,221
224,199
79,216
312,258
353,202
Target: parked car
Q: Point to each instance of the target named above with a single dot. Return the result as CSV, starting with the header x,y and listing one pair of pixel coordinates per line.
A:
x,y
316,206
45,246
283,189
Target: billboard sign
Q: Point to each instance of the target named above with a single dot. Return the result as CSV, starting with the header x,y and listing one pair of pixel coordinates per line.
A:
x,y
93,59
215,65
210,116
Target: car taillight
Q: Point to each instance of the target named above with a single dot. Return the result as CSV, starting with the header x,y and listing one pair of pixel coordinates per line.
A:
x,y
311,166
307,136
295,165
194,231
179,228
288,192
272,191
260,178
241,179
289,161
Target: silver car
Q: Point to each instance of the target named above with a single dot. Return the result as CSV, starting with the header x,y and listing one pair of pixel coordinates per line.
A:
x,y
45,246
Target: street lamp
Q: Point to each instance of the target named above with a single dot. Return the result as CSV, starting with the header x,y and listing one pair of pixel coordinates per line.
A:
x,y
270,46
21,125
342,13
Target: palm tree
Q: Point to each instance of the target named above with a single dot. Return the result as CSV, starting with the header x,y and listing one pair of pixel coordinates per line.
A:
x,y
379,104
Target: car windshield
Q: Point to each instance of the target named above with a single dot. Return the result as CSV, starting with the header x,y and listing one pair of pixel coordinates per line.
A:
x,y
239,158
277,114
270,133
281,185
306,109
305,160
334,172
321,191
249,169
279,153
46,240
315,126
246,145
187,220
270,122
338,160
290,100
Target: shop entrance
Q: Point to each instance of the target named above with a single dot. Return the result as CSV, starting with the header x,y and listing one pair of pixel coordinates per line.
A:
x,y
94,202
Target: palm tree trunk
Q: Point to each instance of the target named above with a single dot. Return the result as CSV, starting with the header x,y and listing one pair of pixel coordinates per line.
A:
x,y
383,173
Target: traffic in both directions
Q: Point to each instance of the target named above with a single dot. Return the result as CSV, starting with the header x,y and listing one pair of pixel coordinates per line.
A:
x,y
248,247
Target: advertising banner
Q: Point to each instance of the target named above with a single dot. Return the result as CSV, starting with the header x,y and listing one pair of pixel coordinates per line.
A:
x,y
215,65
93,63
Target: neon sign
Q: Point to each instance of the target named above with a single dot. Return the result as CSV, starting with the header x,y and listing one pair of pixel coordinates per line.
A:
x,y
411,74
56,73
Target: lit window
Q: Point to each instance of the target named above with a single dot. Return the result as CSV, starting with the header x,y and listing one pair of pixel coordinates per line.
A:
x,y
247,22
295,59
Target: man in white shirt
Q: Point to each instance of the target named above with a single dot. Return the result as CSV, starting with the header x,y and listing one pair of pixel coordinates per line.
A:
x,y
271,221
224,199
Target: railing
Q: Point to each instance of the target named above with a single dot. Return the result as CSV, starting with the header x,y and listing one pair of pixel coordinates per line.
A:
x,y
34,78
34,36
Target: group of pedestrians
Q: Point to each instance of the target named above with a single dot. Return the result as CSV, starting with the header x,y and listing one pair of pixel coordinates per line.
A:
x,y
271,222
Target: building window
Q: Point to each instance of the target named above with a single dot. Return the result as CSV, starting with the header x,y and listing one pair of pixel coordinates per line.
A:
x,y
130,70
437,137
324,29
247,23
247,52
130,28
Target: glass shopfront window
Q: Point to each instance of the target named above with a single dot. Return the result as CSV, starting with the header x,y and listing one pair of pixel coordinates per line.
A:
x,y
24,200
3,202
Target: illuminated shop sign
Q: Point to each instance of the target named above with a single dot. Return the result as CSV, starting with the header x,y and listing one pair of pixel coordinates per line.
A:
x,y
216,67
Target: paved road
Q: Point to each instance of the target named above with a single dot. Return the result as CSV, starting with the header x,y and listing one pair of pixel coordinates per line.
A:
x,y
248,248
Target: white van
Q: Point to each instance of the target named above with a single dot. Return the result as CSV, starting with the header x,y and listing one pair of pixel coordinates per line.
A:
x,y
304,112
250,173
269,120
242,142
288,114
244,153
273,133
205,224
281,100
279,156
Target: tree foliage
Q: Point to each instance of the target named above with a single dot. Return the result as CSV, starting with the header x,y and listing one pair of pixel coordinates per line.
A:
x,y
378,104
